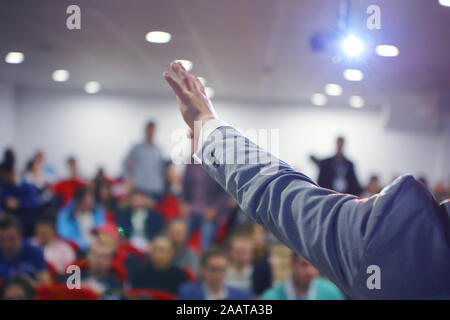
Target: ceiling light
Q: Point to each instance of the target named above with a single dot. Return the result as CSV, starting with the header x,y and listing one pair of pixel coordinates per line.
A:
x,y
352,46
60,75
187,64
92,87
387,50
445,3
209,92
319,99
353,75
14,57
356,101
333,89
158,37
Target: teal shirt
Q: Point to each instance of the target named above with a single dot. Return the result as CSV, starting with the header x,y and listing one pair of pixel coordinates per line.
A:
x,y
320,289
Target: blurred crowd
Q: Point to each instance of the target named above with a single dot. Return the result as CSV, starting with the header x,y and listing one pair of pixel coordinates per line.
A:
x,y
152,233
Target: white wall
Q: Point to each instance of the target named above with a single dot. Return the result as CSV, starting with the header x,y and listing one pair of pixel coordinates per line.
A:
x,y
7,116
100,129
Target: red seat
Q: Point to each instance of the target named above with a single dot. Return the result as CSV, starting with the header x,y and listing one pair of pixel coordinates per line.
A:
x,y
154,294
192,276
59,291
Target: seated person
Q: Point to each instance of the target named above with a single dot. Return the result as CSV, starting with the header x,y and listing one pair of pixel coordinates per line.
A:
x,y
212,285
79,218
304,284
99,275
18,256
139,222
184,258
57,252
159,272
16,288
241,255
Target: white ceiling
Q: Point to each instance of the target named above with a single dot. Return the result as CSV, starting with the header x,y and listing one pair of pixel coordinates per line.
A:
x,y
246,49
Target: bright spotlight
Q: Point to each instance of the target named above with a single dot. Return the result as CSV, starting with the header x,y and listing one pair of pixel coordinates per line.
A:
x,y
92,87
319,99
445,3
352,46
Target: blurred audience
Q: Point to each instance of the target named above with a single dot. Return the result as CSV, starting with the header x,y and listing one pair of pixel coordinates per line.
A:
x,y
184,258
241,256
18,256
79,218
16,288
57,252
158,272
372,188
99,274
141,235
212,285
304,284
139,221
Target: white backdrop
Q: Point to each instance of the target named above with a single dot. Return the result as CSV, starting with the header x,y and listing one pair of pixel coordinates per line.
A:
x,y
100,129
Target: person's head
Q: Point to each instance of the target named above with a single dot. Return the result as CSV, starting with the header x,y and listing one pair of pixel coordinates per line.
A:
x,y
10,236
72,165
84,199
177,231
16,288
150,131
241,250
109,234
302,271
340,144
100,258
258,234
138,200
161,252
214,264
45,230
39,157
103,191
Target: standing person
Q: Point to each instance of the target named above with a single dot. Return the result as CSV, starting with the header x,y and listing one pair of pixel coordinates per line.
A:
x,y
144,165
338,173
371,249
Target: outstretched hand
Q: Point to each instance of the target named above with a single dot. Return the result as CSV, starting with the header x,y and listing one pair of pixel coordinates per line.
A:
x,y
191,96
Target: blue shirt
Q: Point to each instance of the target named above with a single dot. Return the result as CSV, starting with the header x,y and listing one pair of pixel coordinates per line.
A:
x,y
29,261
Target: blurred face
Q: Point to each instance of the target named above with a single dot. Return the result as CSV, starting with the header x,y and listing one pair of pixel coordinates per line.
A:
x,y
104,192
87,202
259,235
10,241
44,233
215,271
161,253
303,272
100,257
149,132
241,252
15,292
72,165
177,232
340,144
137,201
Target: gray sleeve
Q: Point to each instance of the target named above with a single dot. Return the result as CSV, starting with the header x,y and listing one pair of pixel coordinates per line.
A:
x,y
325,227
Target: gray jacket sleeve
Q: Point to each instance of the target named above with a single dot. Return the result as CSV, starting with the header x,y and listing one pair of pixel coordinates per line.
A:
x,y
329,229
